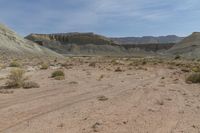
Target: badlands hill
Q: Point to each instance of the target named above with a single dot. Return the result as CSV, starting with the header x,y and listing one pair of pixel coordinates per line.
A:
x,y
11,44
188,47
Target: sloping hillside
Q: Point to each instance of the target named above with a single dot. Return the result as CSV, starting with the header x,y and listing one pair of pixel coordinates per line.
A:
x,y
12,44
188,47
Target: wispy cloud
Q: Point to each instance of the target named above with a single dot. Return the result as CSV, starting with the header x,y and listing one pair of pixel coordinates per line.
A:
x,y
109,17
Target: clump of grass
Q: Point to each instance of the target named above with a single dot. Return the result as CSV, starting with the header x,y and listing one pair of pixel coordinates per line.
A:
x,y
2,66
58,75
44,66
30,84
16,78
15,64
196,69
193,78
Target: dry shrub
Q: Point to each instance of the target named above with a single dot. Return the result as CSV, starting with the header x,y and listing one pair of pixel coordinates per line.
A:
x,y
59,77
16,78
44,66
2,66
15,64
193,78
30,84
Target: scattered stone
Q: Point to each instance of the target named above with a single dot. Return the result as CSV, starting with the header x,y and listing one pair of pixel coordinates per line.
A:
x,y
96,126
60,125
160,102
102,98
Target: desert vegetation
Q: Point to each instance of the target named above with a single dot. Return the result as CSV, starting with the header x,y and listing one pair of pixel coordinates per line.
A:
x,y
58,75
15,64
30,84
44,66
193,78
16,78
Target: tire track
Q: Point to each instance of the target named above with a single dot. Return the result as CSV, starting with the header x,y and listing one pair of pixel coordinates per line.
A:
x,y
75,99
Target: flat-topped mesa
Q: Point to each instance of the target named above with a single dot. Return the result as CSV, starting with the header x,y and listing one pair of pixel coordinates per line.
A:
x,y
71,38
148,40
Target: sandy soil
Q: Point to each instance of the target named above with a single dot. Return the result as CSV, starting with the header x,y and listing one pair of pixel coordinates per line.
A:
x,y
154,99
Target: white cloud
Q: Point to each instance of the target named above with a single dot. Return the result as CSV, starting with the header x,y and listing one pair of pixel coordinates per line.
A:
x,y
89,15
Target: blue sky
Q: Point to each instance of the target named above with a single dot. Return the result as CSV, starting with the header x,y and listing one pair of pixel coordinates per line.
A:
x,y
107,17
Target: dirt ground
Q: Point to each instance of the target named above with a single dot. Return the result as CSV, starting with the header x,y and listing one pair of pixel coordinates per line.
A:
x,y
97,98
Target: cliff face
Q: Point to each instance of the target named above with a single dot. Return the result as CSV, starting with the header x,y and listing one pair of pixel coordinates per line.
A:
x,y
11,44
71,38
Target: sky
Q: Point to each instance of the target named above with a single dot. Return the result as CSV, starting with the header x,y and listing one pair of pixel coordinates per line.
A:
x,y
113,18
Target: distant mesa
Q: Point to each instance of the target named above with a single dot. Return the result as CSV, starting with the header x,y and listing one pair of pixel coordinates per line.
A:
x,y
148,40
92,44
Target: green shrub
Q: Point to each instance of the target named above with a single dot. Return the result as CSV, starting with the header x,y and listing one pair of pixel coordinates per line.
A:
x,y
58,73
16,78
196,69
15,64
193,78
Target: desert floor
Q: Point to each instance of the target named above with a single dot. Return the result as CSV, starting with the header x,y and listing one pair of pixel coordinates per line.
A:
x,y
96,98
